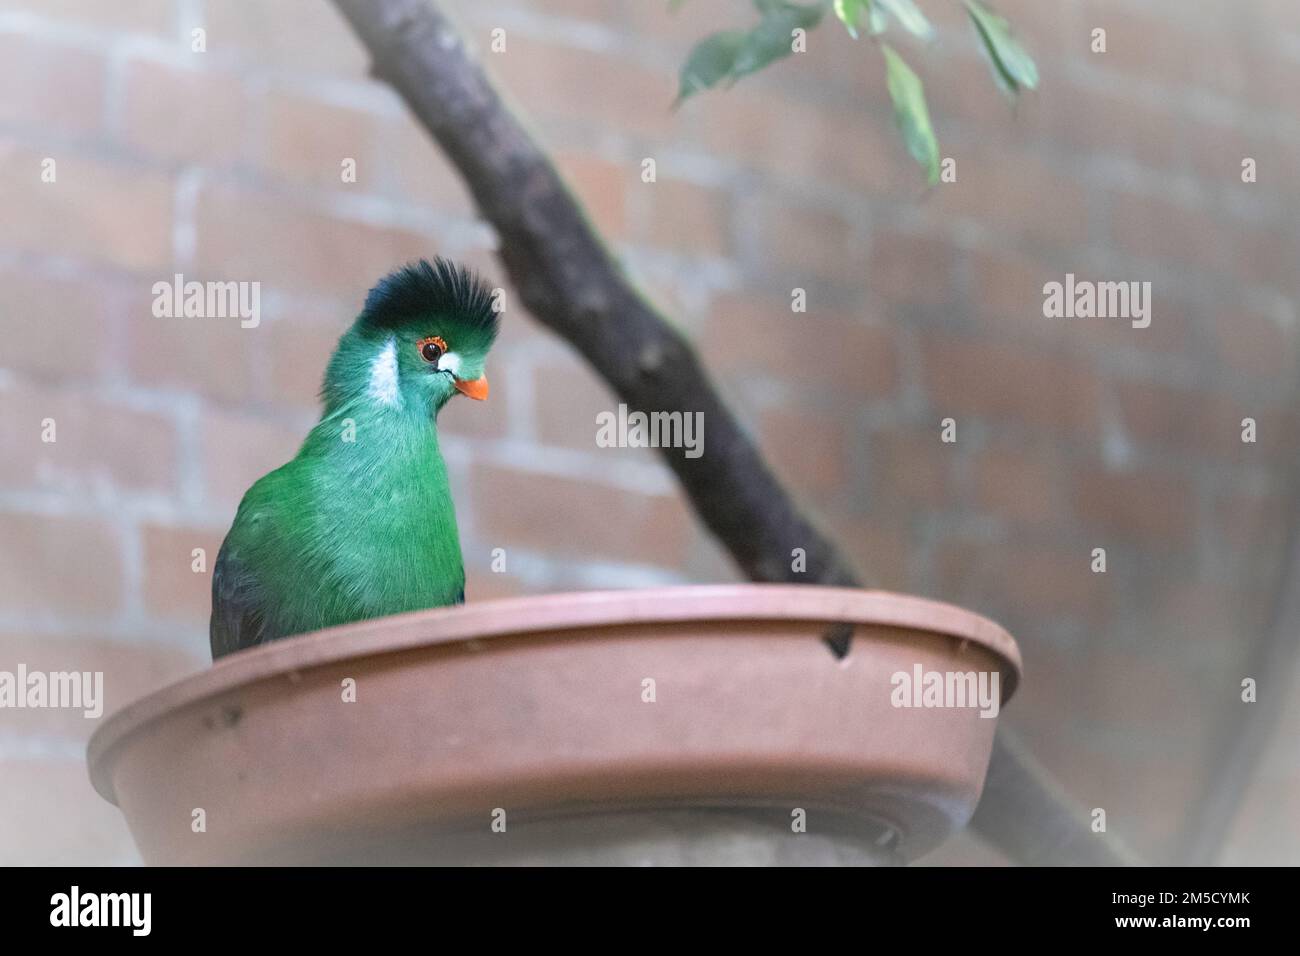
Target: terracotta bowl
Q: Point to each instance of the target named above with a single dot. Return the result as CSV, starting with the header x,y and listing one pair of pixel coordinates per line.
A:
x,y
673,725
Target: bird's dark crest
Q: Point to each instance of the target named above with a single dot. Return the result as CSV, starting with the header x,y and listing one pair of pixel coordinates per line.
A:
x,y
423,289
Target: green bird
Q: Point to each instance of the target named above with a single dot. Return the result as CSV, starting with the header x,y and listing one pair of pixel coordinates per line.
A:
x,y
360,523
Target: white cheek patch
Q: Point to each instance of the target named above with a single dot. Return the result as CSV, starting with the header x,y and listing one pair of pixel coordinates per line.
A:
x,y
383,376
450,362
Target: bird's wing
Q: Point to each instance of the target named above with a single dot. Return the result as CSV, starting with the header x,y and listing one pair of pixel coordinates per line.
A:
x,y
237,620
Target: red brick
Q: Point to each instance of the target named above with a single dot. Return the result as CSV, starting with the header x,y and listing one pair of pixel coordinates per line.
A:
x,y
1268,253
111,213
1151,228
418,171
298,35
307,141
681,27
555,81
1140,689
912,269
1273,77
709,562
998,381
685,217
1174,328
579,519
298,347
607,12
1204,423
1013,193
96,444
1255,524
127,16
852,147
601,188
172,587
239,449
246,236
1095,121
567,397
68,565
836,351
1173,54
1029,581
183,113
1049,696
1215,151
1007,288
212,356
768,129
1160,415
877,548
761,129
912,466
811,241
59,326
131,671
810,450
50,86
1176,607
1148,508
1022,485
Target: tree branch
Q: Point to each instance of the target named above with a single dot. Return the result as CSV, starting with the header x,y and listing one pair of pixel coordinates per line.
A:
x,y
570,282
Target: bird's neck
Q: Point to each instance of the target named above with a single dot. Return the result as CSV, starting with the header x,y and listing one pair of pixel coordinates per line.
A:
x,y
374,443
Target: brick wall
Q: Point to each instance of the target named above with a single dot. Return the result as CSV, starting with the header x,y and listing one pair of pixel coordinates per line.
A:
x,y
1071,434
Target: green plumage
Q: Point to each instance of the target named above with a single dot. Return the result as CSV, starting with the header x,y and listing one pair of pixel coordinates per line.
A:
x,y
360,523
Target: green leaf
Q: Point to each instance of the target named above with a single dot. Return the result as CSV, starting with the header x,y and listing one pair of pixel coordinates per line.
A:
x,y
709,63
848,11
1013,68
732,54
911,113
771,39
909,16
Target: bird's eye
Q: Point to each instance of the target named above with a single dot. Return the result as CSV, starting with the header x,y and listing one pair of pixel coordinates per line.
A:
x,y
432,349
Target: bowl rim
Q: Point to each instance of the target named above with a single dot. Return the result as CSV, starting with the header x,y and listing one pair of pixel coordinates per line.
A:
x,y
548,613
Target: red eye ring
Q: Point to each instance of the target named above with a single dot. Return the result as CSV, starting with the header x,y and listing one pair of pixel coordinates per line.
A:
x,y
432,349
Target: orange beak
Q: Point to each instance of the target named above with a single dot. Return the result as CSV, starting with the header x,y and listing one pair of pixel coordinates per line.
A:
x,y
476,388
